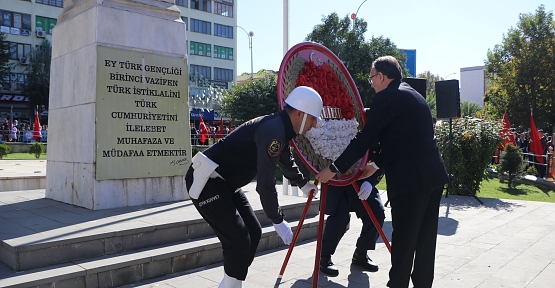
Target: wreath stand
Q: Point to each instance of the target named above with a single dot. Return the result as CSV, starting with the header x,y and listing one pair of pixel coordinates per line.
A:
x,y
288,77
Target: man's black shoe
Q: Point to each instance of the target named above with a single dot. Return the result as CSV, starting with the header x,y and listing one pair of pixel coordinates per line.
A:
x,y
362,260
327,267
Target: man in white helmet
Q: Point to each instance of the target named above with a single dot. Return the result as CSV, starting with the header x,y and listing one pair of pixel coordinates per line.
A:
x,y
254,149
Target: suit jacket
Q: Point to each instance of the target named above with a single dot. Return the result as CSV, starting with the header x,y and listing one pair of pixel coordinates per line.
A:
x,y
402,121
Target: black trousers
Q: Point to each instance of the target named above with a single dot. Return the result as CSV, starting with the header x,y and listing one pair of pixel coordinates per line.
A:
x,y
414,219
336,223
231,217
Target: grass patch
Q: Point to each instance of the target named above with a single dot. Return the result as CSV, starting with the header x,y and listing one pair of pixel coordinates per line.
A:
x,y
494,188
23,156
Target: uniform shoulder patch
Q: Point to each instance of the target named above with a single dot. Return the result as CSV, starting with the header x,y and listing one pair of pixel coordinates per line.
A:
x,y
274,148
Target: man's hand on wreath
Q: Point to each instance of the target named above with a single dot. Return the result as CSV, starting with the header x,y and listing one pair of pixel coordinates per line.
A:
x,y
309,187
325,175
367,171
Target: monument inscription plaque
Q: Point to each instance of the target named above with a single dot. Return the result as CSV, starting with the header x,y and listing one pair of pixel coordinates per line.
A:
x,y
141,114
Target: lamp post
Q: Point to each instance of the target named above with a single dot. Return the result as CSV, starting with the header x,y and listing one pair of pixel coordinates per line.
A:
x,y
250,35
354,16
449,75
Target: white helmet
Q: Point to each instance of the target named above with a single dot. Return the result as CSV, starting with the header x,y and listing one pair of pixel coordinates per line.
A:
x,y
305,99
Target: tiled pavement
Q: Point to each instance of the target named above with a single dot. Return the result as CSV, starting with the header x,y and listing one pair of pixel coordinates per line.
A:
x,y
504,243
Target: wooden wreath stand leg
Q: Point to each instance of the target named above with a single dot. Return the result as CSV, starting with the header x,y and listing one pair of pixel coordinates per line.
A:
x,y
321,231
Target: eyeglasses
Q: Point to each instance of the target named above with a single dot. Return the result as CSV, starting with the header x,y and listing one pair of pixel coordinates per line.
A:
x,y
370,78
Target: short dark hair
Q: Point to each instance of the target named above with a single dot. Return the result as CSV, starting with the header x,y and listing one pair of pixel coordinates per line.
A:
x,y
388,66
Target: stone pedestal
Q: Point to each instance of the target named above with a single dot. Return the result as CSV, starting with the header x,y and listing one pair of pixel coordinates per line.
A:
x,y
97,158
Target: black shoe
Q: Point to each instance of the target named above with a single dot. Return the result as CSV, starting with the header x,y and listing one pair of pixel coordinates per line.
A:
x,y
327,267
363,261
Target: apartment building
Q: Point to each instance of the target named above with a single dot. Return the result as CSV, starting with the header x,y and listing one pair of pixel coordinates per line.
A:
x,y
211,37
26,24
212,42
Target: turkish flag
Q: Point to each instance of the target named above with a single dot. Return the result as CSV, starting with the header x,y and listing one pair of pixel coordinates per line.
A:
x,y
36,127
506,134
203,130
535,142
221,131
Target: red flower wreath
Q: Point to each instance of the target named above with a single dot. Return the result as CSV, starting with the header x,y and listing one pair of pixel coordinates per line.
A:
x,y
325,82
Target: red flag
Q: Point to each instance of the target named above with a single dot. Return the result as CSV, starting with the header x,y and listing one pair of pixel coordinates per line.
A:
x,y
506,134
535,142
221,131
203,130
36,127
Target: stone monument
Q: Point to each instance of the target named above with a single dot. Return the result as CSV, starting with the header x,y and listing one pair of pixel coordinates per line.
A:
x,y
118,115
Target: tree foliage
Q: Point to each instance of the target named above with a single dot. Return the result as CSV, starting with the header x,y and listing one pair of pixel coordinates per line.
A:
x,y
350,45
5,66
521,69
431,80
37,85
252,99
473,145
511,163
470,108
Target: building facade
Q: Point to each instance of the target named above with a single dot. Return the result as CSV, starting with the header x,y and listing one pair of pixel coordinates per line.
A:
x,y
211,37
212,42
473,84
26,23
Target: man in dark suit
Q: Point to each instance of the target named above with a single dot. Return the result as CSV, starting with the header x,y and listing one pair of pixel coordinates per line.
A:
x,y
414,170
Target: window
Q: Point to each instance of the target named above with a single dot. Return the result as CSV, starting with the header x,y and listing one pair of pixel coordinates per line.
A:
x,y
186,20
181,3
202,49
223,9
223,74
15,23
19,50
203,72
201,26
223,52
57,3
45,24
223,31
13,82
202,5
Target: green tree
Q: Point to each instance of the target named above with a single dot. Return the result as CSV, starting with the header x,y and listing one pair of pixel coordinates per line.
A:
x,y
357,54
511,163
431,80
37,85
5,66
521,69
252,99
470,108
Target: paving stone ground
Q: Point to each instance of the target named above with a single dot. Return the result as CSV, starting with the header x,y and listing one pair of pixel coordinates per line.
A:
x,y
503,243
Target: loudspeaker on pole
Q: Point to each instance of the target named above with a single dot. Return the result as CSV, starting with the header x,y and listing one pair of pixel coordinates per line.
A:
x,y
418,84
448,99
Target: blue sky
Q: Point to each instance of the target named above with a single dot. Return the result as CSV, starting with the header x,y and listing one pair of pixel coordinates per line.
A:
x,y
447,35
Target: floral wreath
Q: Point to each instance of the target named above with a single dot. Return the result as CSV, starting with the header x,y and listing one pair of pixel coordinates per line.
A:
x,y
313,65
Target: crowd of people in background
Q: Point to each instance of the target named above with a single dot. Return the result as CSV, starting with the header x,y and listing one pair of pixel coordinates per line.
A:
x,y
523,142
214,134
17,131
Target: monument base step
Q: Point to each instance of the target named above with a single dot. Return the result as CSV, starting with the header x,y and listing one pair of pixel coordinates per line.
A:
x,y
127,268
22,183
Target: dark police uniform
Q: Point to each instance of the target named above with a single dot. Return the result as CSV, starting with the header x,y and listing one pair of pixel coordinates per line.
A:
x,y
254,149
343,199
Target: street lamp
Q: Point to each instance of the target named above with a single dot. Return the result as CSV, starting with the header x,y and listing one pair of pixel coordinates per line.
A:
x,y
250,35
354,16
449,75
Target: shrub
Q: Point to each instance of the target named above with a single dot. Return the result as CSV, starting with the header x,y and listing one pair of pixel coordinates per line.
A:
x,y
474,142
194,151
37,149
532,170
4,150
511,163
